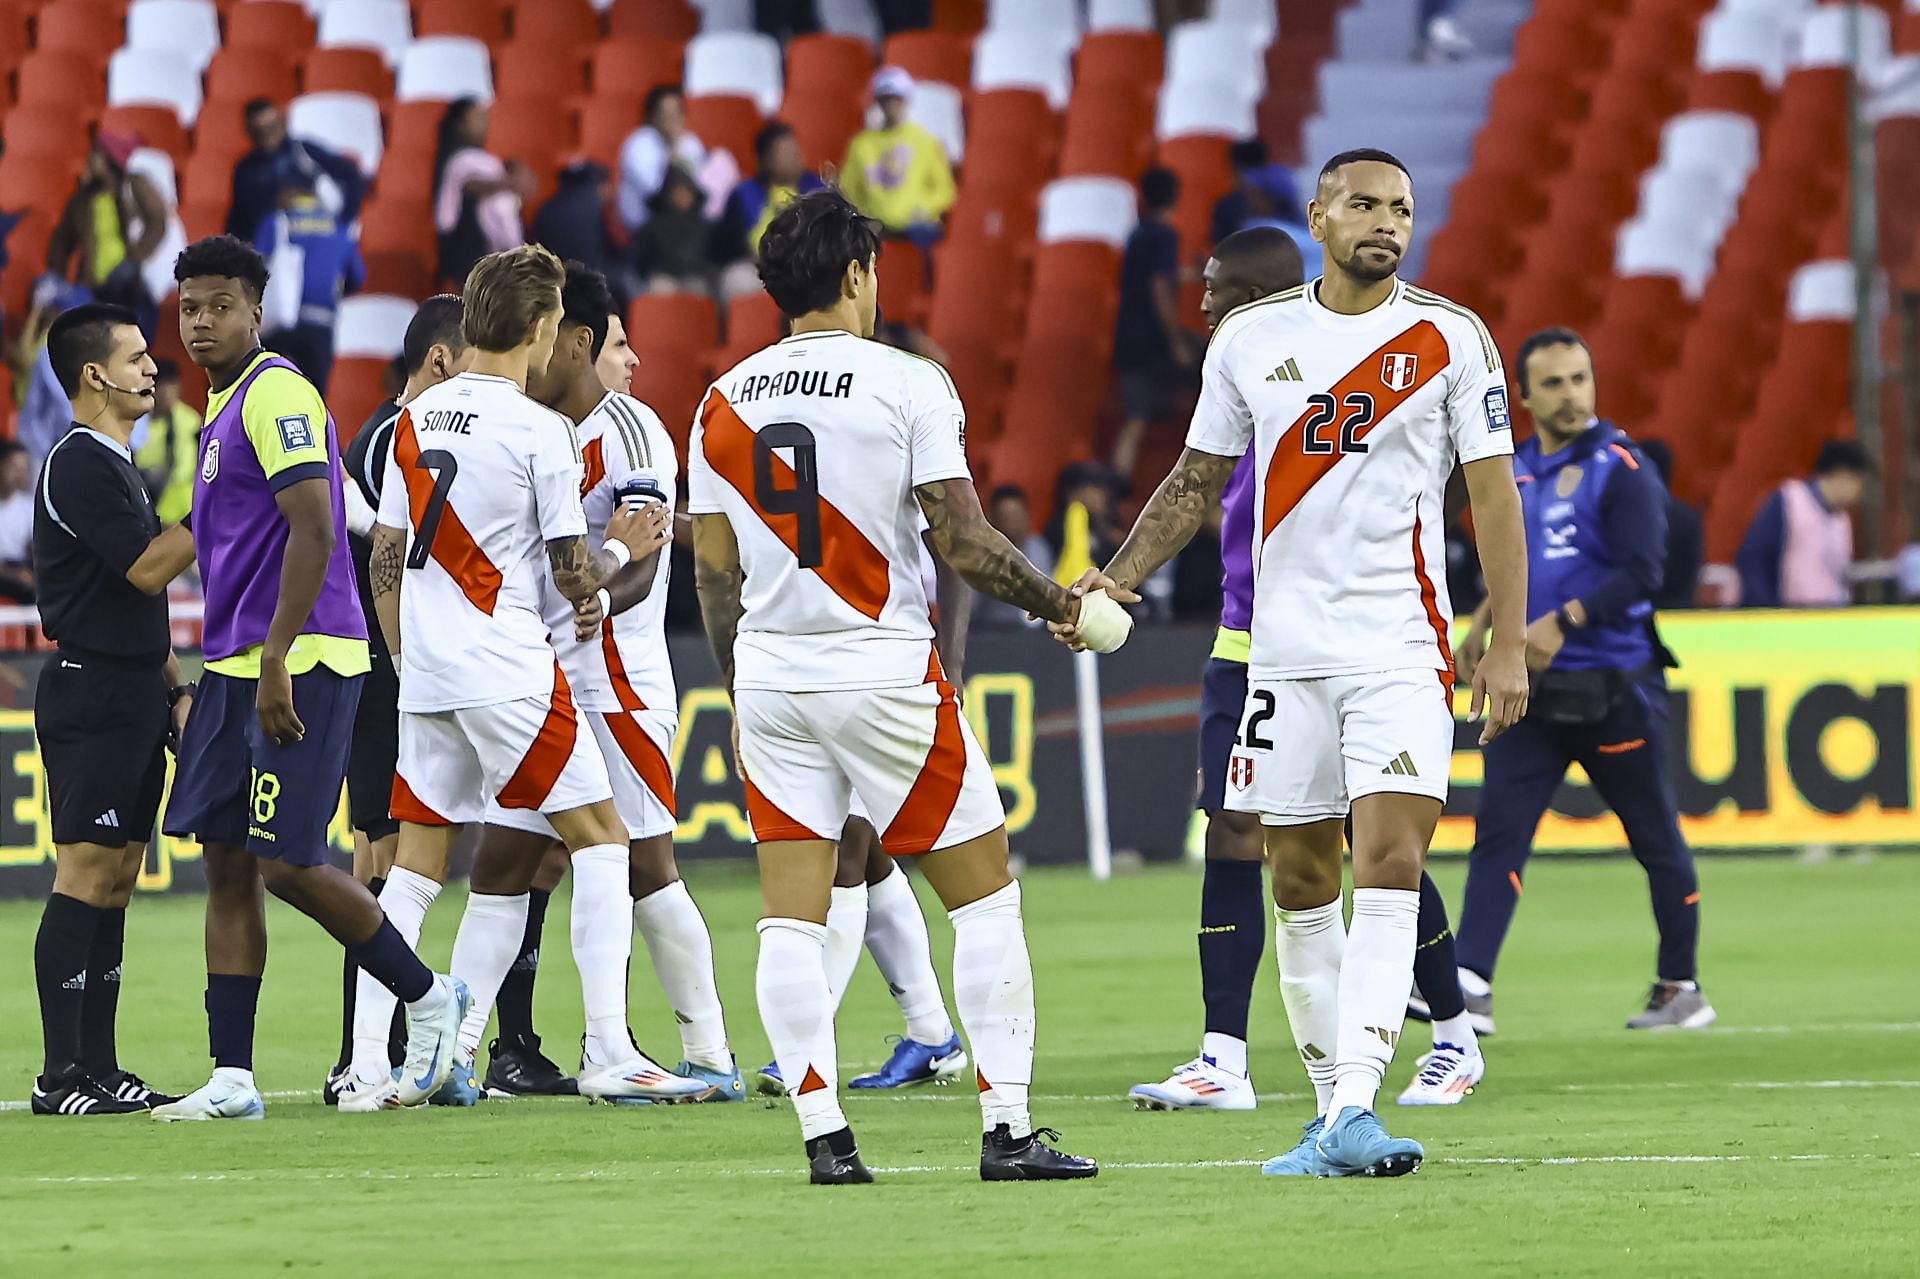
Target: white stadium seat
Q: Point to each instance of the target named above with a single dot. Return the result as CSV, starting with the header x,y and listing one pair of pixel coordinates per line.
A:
x,y
347,122
744,64
1901,95
1217,54
1705,195
1058,17
442,68
157,167
1715,141
1824,39
854,18
1258,15
137,78
1024,60
718,16
938,108
384,25
1681,247
1100,209
371,325
1214,110
1822,291
189,27
1120,15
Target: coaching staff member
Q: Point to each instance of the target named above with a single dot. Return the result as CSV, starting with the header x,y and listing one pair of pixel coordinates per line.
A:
x,y
1596,520
107,702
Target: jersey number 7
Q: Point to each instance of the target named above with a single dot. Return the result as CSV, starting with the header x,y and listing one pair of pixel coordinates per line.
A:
x,y
802,500
443,466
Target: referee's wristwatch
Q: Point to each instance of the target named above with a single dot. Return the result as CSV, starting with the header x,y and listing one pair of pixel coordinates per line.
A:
x,y
179,691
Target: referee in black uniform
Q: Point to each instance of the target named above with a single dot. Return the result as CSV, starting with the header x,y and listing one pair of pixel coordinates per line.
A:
x,y
107,701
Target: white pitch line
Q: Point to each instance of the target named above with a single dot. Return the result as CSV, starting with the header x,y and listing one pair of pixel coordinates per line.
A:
x,y
1762,1084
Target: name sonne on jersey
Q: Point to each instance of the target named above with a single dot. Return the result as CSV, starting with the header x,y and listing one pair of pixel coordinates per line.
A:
x,y
792,382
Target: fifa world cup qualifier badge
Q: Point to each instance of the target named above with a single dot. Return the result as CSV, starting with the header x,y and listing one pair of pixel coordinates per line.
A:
x,y
1497,419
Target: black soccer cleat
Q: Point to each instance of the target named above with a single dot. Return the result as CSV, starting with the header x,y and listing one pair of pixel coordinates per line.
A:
x,y
833,1160
1005,1157
77,1095
127,1086
517,1068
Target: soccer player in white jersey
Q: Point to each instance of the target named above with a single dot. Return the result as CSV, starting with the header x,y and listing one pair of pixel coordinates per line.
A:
x,y
623,682
812,462
484,485
1356,393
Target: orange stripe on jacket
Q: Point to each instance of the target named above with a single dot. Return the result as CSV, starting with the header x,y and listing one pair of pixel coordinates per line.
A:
x,y
645,755
851,566
930,801
453,547
547,756
1292,471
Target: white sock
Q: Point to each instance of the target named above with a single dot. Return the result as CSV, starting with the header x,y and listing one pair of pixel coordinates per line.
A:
x,y
1310,945
483,950
796,1007
602,919
993,990
846,935
682,953
1457,1031
897,936
238,1076
1472,983
405,897
1374,982
1228,1053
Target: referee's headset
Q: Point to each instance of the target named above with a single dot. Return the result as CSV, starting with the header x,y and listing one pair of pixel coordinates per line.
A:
x,y
106,384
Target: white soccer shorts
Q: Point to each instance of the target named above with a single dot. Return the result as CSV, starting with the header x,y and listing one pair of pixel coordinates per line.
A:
x,y
534,753
1308,748
638,748
907,753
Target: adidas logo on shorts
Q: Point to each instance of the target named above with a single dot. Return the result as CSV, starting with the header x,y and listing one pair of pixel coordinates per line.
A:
x,y
1401,766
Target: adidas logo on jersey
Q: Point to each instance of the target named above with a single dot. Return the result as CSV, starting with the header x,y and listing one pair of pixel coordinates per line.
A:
x,y
1401,766
109,819
1288,372
76,982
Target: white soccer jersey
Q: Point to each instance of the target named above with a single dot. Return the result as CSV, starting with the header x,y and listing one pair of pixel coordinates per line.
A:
x,y
812,449
481,478
1355,422
626,668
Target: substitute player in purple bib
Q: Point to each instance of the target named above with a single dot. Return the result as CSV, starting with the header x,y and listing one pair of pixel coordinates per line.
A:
x,y
264,754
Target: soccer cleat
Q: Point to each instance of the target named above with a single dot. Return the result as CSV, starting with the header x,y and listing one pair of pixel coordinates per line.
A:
x,y
330,1090
1672,1006
640,1080
75,1094
1355,1145
1446,1076
1005,1157
228,1095
517,1068
357,1096
461,1088
433,1042
1199,1085
833,1160
1304,1160
913,1062
727,1084
127,1086
767,1081
1479,1010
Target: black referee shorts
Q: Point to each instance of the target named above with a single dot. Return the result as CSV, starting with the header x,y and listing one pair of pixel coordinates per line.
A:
x,y
375,753
102,725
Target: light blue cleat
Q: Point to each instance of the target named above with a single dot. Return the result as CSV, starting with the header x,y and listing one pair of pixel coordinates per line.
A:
x,y
767,1081
1304,1159
433,1043
727,1084
462,1087
1356,1145
913,1062
229,1094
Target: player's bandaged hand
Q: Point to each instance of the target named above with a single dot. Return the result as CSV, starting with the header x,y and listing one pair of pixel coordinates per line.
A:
x,y
1103,625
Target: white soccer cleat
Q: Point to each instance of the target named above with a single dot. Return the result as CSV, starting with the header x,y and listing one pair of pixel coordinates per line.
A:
x,y
640,1079
229,1094
1445,1077
358,1096
433,1042
1198,1085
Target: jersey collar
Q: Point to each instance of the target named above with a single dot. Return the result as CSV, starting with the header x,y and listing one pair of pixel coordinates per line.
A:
x,y
1339,319
816,333
104,438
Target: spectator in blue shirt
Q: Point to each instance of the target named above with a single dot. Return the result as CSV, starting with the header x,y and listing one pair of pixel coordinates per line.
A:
x,y
1152,350
309,250
280,163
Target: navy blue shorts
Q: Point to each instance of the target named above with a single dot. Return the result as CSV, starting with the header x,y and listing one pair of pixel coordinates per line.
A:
x,y
1223,695
233,786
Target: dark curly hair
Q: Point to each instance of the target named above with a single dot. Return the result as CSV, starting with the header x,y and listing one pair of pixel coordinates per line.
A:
x,y
587,300
807,246
225,256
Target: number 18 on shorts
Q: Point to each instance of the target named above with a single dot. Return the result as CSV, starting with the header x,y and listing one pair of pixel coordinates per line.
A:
x,y
1307,748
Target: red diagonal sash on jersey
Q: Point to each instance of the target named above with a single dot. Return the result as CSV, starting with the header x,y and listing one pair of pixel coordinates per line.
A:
x,y
593,460
1292,471
623,690
453,546
851,566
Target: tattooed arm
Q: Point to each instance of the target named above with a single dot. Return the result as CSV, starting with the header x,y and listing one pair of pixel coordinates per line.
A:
x,y
579,572
716,578
384,568
1171,516
962,539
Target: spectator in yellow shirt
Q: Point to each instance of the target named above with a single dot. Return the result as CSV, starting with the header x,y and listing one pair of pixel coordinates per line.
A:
x,y
898,173
170,454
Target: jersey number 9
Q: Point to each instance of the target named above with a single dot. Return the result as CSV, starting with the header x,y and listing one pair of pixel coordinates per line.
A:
x,y
802,500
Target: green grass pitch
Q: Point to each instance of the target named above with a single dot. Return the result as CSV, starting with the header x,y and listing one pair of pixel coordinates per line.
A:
x,y
1786,1140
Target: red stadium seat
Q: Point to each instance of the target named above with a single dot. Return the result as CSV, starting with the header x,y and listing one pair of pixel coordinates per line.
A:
x,y
276,26
73,26
672,388
942,56
829,64
61,80
680,323
1742,92
480,20
414,127
207,176
1126,58
1011,118
1572,45
823,123
630,66
605,125
397,226
238,75
405,275
727,123
44,133
533,131
654,19
156,127
1080,264
221,130
531,69
904,286
568,22
967,17
354,391
1109,131
753,321
348,70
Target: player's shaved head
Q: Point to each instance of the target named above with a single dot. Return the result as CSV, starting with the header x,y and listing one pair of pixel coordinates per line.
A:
x,y
1247,266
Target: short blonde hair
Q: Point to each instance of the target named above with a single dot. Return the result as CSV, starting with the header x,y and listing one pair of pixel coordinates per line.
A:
x,y
506,295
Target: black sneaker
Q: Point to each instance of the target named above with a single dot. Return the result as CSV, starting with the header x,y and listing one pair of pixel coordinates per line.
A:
x,y
1005,1157
336,1075
833,1160
127,1086
78,1095
517,1068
